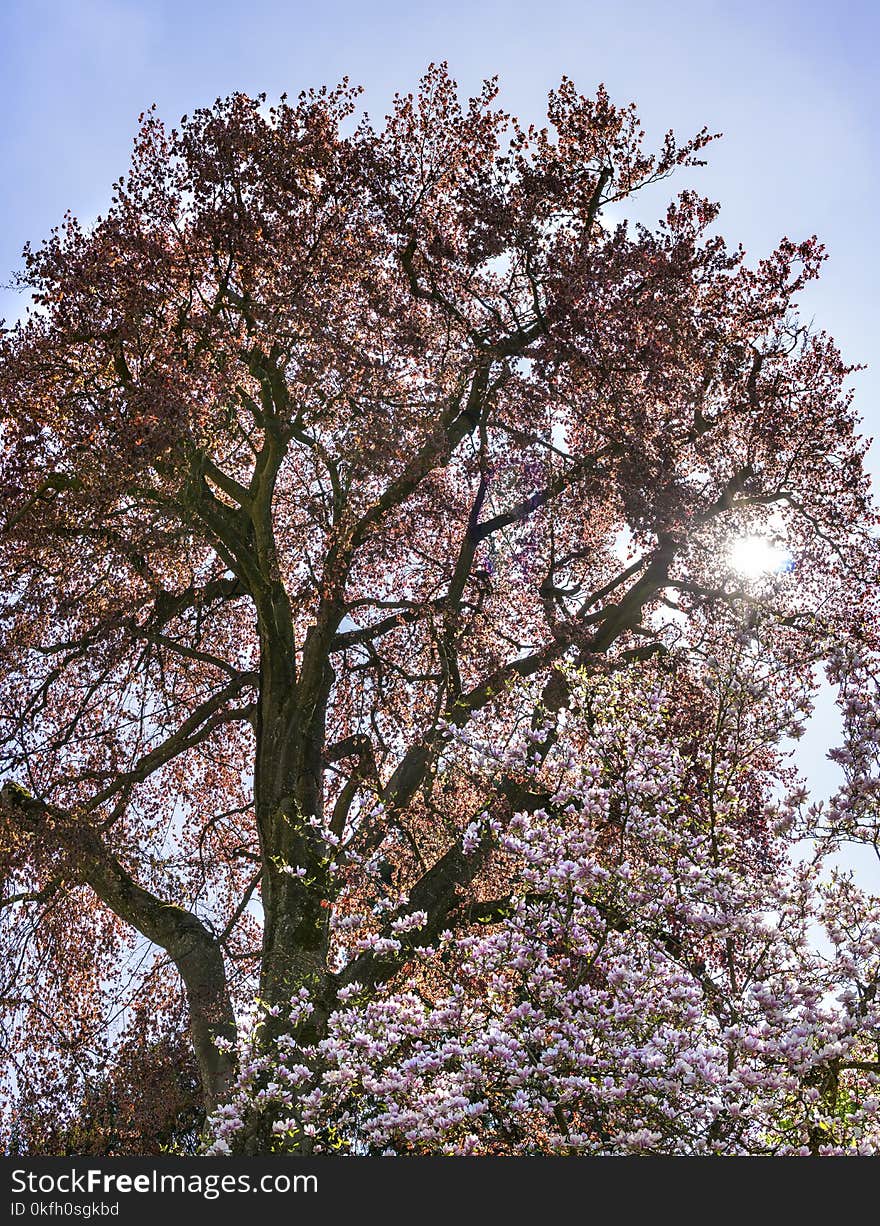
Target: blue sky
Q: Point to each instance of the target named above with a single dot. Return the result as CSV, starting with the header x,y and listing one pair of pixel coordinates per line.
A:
x,y
793,87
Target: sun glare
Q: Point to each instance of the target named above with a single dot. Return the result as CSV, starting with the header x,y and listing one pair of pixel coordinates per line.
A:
x,y
754,556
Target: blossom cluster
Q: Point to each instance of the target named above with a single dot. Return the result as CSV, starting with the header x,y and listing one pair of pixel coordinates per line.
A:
x,y
663,975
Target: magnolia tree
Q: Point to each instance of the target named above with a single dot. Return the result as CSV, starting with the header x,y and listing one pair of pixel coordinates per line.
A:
x,y
392,733
660,975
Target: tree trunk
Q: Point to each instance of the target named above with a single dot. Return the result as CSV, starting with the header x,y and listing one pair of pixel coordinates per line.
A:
x,y
296,882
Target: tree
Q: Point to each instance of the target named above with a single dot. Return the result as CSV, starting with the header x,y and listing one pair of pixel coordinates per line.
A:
x,y
328,447
650,980
142,1097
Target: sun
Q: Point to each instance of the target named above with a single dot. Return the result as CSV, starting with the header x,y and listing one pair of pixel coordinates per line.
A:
x,y
754,556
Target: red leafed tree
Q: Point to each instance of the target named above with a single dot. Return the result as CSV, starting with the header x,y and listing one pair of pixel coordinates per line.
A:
x,y
329,443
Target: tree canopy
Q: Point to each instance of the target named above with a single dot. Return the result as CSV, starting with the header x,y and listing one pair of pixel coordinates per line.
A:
x,y
373,646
